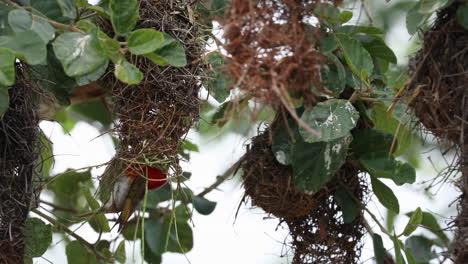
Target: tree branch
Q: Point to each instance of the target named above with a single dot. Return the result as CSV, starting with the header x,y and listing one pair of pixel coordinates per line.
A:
x,y
55,24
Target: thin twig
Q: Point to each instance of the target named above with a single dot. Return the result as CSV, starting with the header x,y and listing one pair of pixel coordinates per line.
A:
x,y
220,179
57,207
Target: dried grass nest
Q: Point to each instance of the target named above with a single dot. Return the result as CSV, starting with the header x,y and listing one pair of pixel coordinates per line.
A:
x,y
154,116
317,229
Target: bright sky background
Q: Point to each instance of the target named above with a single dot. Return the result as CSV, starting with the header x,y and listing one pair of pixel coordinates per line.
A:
x,y
219,237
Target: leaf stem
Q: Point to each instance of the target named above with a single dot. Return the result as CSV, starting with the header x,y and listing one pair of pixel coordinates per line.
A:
x,y
221,178
55,24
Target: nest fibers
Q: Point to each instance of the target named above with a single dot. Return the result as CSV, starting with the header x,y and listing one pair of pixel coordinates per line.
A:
x,y
19,142
319,234
155,115
273,49
439,87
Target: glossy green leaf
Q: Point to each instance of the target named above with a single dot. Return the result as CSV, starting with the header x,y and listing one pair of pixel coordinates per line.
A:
x,y
333,119
7,67
120,254
92,76
409,257
429,222
5,28
356,56
327,11
414,221
420,248
219,82
4,99
160,195
67,189
345,16
347,205
377,47
38,237
202,205
171,52
385,195
314,164
379,249
371,140
21,20
404,173
415,19
63,11
143,41
26,45
124,15
190,146
150,257
383,165
79,54
156,234
462,15
78,254
128,73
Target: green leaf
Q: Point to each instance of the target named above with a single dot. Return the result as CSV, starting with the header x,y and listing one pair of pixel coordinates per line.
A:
x,y
111,47
63,11
333,119
379,249
127,72
119,254
430,6
92,76
345,16
52,78
420,248
47,156
356,56
67,189
334,76
21,20
462,15
381,165
124,15
144,41
156,232
397,246
352,29
371,140
377,47
219,82
79,54
160,195
26,45
429,222
7,67
100,11
347,205
38,237
78,254
314,164
327,11
282,142
150,257
5,28
171,52
414,221
202,205
219,7
98,221
4,99
415,19
409,257
385,195
188,145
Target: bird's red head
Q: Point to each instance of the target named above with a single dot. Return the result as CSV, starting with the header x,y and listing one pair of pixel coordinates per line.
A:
x,y
156,178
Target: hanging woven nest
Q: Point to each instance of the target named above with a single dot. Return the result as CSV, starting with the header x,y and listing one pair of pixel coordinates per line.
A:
x,y
20,144
154,116
439,81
